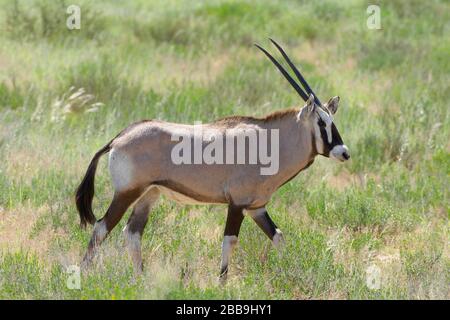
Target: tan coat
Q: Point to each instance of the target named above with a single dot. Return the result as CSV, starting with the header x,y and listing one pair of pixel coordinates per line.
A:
x,y
141,157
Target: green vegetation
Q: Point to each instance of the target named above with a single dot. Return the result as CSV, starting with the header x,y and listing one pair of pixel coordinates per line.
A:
x,y
64,94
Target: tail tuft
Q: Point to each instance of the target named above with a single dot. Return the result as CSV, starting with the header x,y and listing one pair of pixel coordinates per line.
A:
x,y
85,191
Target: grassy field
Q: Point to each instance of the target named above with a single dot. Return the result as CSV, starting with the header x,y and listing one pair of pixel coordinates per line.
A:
x,y
385,210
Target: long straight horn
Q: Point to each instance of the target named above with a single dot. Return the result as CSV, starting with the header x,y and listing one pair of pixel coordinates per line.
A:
x,y
296,71
285,74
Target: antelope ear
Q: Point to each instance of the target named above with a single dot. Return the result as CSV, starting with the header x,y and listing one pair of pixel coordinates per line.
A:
x,y
333,104
308,108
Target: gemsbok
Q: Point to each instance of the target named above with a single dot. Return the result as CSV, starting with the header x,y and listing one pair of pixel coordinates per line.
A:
x,y
142,167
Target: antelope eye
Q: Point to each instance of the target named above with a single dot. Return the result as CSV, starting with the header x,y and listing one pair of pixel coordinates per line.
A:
x,y
321,123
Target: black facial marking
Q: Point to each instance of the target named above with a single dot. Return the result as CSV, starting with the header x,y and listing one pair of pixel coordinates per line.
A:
x,y
326,145
335,138
321,123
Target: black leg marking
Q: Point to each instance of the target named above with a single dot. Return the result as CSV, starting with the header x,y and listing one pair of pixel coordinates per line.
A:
x,y
233,225
234,220
266,224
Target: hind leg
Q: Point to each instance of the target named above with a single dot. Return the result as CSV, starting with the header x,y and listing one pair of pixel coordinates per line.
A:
x,y
120,203
136,224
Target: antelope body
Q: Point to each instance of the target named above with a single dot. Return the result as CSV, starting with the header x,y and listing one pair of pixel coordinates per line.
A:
x,y
142,168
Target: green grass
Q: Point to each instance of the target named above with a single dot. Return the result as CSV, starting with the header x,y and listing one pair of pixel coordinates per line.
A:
x,y
183,61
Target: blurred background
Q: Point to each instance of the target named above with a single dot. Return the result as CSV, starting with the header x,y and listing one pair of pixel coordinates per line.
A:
x,y
375,227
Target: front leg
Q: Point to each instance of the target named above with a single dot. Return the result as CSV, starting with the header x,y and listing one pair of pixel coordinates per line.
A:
x,y
263,220
232,227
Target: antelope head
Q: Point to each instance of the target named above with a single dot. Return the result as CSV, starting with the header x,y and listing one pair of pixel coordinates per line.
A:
x,y
315,115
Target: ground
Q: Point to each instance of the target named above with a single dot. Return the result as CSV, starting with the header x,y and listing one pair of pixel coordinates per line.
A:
x,y
373,228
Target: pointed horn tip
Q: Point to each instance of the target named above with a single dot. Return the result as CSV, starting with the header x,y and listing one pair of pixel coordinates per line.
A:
x,y
283,71
275,43
258,46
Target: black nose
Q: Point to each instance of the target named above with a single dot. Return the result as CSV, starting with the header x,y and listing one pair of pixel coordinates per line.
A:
x,y
346,156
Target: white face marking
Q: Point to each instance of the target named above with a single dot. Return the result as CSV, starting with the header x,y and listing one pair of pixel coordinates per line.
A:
x,y
338,151
121,169
328,119
229,242
318,139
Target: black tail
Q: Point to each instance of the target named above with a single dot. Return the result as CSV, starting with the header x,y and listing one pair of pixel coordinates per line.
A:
x,y
85,191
